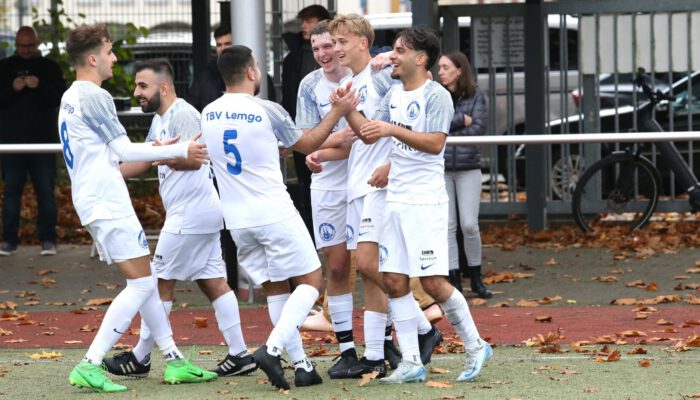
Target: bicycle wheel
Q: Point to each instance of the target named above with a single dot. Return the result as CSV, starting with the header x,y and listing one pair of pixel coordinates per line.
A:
x,y
621,189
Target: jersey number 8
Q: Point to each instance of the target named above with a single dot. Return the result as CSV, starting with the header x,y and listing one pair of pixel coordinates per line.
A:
x,y
67,154
230,148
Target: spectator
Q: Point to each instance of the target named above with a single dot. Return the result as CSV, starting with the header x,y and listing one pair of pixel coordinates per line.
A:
x,y
208,85
463,167
31,87
295,66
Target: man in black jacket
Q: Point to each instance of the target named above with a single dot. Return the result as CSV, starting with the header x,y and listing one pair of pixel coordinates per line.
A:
x,y
295,66
208,85
31,87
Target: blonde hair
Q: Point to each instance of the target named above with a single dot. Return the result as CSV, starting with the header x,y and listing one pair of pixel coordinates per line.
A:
x,y
354,24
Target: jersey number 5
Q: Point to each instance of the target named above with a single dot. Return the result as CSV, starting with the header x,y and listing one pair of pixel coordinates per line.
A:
x,y
67,154
230,148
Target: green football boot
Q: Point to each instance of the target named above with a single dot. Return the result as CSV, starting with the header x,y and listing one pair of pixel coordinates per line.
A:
x,y
182,371
86,375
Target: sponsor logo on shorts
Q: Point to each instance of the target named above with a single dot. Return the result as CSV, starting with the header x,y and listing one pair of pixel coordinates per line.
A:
x,y
427,259
413,110
143,242
349,234
383,254
326,231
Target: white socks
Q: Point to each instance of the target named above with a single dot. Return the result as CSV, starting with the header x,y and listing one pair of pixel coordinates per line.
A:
x,y
340,309
229,320
145,345
423,323
295,347
457,312
406,325
375,325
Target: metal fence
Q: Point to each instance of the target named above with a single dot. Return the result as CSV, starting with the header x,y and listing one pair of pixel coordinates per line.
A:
x,y
610,39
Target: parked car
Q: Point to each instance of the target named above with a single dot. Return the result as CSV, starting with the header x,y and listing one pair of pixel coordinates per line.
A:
x,y
612,94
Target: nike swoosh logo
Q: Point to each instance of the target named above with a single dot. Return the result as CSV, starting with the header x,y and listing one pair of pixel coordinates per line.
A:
x,y
115,330
198,374
362,233
340,322
324,105
424,267
392,106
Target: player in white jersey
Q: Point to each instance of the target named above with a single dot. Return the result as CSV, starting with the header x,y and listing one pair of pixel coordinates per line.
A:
x,y
188,247
418,115
367,173
242,133
328,185
94,142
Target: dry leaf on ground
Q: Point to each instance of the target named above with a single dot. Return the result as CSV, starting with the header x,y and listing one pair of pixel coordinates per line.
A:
x,y
44,355
438,384
367,377
100,301
200,322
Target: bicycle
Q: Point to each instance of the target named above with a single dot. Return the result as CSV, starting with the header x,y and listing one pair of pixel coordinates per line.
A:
x,y
623,188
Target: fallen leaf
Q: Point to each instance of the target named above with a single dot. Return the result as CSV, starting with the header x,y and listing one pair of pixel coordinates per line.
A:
x,y
624,302
591,389
606,279
451,397
122,346
641,316
184,305
16,341
638,350
200,322
206,352
367,377
231,383
632,333
4,332
566,371
43,272
549,300
477,302
44,355
693,300
72,341
88,328
9,305
543,319
527,303
46,282
319,351
613,356
644,363
663,322
551,262
635,283
617,271
438,385
223,391
262,381
651,287
434,370
693,270
693,341
99,301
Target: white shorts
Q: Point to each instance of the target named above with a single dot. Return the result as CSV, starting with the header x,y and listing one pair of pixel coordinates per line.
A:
x,y
329,214
414,240
276,252
365,216
119,240
189,257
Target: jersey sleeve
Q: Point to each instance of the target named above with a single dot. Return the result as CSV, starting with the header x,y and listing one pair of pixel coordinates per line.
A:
x,y
308,115
282,124
438,110
383,113
383,81
185,123
100,115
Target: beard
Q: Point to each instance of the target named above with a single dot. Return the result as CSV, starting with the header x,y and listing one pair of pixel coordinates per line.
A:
x,y
152,104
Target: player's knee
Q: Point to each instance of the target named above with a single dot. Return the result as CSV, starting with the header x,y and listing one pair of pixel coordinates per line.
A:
x,y
338,272
432,285
366,265
470,229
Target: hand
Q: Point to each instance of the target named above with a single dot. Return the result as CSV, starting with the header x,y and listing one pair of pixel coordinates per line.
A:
x,y
339,92
197,151
380,176
313,162
371,131
346,135
348,101
283,152
381,61
169,162
167,141
18,84
467,120
32,81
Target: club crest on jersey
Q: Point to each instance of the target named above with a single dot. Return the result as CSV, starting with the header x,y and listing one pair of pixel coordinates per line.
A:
x,y
350,234
143,242
326,231
413,110
363,94
161,137
383,254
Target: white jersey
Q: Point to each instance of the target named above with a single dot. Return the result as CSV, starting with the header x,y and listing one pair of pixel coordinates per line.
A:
x,y
87,122
417,177
364,159
191,203
241,133
312,106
